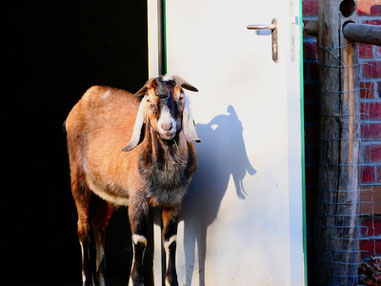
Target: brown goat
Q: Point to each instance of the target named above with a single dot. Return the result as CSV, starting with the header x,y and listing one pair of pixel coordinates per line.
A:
x,y
155,170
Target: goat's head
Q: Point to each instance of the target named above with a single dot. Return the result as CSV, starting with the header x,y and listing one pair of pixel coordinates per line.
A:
x,y
166,108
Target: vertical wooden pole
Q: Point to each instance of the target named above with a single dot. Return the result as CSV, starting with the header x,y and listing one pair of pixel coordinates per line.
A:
x,y
337,221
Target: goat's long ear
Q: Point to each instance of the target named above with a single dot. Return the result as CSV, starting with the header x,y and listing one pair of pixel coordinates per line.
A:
x,y
189,128
139,122
184,84
145,87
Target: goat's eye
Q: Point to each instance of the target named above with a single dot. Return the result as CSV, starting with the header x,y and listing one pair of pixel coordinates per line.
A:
x,y
181,97
147,100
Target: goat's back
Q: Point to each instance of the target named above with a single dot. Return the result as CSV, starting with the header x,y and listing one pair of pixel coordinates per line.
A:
x,y
102,110
98,127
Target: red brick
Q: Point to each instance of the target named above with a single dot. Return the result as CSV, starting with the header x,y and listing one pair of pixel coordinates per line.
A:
x,y
379,51
367,89
372,22
367,174
370,131
372,69
376,10
371,246
369,8
370,194
372,153
372,227
378,174
310,7
379,88
309,50
371,110
311,92
365,51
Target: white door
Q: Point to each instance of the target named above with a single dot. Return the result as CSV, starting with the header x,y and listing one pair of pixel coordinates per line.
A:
x,y
242,220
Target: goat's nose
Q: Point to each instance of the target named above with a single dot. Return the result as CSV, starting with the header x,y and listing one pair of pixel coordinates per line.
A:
x,y
166,126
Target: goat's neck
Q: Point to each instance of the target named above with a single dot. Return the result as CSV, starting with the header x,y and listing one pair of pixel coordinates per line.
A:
x,y
171,151
158,156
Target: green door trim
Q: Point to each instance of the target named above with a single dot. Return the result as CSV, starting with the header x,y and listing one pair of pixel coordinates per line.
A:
x,y
164,36
304,207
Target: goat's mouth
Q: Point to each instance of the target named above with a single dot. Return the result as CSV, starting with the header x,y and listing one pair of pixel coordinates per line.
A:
x,y
168,135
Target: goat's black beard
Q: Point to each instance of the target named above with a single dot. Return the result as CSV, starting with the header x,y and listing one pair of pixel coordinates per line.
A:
x,y
172,142
171,148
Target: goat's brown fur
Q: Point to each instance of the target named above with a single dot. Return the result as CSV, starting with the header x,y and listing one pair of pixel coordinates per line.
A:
x,y
155,173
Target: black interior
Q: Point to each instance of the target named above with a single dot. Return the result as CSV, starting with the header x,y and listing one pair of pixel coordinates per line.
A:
x,y
55,50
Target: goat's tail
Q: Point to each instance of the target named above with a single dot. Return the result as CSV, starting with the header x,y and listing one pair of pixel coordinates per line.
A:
x,y
64,126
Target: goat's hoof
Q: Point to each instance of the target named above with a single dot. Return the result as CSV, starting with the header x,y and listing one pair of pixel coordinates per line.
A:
x,y
88,283
136,283
171,282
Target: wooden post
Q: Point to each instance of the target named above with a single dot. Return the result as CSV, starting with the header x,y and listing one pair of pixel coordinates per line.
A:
x,y
359,33
312,28
362,33
337,222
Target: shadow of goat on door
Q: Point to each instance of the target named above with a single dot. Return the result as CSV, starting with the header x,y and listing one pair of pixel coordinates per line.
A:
x,y
221,155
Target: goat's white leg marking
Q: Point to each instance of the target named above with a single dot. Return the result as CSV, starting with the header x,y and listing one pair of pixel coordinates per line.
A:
x,y
100,252
136,238
101,279
168,242
130,283
83,261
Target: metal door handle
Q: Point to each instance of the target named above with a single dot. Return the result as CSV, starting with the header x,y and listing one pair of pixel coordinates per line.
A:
x,y
261,27
274,36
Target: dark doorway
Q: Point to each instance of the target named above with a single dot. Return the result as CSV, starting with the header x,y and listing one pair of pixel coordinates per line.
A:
x,y
55,50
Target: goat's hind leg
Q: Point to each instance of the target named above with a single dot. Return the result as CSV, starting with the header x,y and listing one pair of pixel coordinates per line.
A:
x,y
82,197
100,222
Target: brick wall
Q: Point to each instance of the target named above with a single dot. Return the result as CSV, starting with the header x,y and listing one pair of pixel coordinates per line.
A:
x,y
369,12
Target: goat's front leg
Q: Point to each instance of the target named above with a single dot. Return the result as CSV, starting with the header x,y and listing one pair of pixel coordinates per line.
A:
x,y
137,212
170,217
